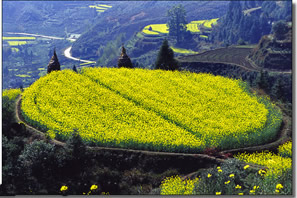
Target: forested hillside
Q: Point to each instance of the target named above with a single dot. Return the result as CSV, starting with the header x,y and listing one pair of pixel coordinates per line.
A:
x,y
248,21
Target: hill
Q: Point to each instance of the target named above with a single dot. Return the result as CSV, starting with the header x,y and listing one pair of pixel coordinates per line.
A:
x,y
122,23
249,21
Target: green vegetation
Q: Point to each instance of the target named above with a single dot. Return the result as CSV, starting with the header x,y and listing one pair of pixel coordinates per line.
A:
x,y
233,177
16,43
14,49
183,51
285,150
23,75
100,7
177,22
279,29
165,59
12,94
18,38
156,29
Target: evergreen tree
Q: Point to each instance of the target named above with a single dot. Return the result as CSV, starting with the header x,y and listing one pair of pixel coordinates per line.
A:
x,y
76,153
76,145
124,60
165,59
277,91
263,80
177,22
280,29
74,68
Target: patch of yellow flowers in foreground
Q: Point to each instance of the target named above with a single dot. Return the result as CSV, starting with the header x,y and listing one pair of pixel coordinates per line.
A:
x,y
144,109
275,163
285,150
177,186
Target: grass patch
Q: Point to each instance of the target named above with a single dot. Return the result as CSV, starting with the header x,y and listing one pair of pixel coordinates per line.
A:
x,y
18,38
14,49
183,51
16,43
23,75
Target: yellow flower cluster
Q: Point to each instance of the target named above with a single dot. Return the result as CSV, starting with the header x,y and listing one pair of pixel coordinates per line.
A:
x,y
63,188
213,108
65,100
262,172
285,150
94,187
275,163
12,94
176,186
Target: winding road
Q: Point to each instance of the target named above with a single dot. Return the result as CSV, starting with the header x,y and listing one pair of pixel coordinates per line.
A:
x,y
67,51
67,54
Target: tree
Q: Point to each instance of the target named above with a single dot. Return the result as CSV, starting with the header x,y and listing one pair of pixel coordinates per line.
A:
x,y
165,59
38,158
74,68
54,64
76,153
280,29
177,22
124,60
263,80
277,91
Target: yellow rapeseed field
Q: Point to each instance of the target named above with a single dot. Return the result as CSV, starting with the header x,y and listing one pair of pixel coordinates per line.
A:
x,y
148,109
62,101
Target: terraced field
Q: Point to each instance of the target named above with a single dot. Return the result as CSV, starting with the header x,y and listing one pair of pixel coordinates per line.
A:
x,y
232,55
193,26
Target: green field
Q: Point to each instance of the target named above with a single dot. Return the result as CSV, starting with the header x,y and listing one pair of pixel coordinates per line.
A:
x,y
193,26
183,51
16,43
152,110
100,7
18,38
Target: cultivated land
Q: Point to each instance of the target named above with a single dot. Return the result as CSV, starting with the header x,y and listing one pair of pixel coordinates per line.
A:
x,y
165,115
231,55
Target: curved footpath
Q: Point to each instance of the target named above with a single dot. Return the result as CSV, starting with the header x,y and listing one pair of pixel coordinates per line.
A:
x,y
158,160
